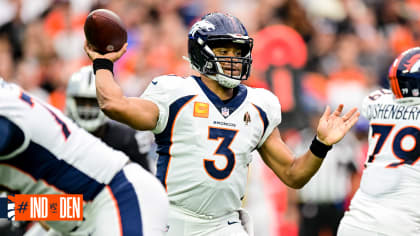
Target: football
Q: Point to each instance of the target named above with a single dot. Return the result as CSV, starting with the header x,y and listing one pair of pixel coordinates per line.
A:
x,y
104,31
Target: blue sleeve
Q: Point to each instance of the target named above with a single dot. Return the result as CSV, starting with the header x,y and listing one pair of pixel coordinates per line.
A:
x,y
11,136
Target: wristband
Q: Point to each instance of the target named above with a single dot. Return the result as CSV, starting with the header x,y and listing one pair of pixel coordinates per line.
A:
x,y
319,149
102,63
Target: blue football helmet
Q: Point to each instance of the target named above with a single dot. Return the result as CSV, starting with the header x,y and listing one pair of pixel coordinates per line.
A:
x,y
404,76
216,30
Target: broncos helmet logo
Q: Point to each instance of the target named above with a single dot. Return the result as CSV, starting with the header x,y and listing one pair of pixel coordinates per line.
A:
x,y
202,25
409,64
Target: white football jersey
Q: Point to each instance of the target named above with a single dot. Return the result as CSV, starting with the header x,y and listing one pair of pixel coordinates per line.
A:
x,y
82,158
204,143
44,152
387,200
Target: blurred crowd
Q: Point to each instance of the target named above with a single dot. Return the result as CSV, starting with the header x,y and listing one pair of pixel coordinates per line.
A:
x,y
309,53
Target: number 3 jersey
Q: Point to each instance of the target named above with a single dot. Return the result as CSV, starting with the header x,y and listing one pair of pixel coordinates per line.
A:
x,y
204,143
388,198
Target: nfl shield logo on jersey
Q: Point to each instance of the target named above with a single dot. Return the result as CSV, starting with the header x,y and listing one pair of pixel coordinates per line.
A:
x,y
225,111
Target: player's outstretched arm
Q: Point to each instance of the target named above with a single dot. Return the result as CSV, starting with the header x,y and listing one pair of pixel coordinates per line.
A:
x,y
296,172
138,113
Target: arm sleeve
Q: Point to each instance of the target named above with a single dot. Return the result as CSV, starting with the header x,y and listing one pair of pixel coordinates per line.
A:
x,y
157,93
12,138
271,106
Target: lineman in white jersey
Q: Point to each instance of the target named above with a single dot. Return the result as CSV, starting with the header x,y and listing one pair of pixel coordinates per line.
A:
x,y
387,200
44,152
206,127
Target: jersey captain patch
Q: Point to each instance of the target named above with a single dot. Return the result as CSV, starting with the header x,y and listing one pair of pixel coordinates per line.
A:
x,y
201,109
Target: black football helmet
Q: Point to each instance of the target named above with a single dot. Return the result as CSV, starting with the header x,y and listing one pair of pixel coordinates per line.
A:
x,y
404,76
215,30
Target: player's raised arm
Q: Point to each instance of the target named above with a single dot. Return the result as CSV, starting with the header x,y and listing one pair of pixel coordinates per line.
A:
x,y
296,172
138,113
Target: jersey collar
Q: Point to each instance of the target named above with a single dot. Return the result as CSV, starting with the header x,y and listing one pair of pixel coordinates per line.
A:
x,y
226,109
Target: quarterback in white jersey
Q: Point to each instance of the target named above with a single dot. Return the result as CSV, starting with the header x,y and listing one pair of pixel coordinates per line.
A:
x,y
206,127
387,200
44,152
204,143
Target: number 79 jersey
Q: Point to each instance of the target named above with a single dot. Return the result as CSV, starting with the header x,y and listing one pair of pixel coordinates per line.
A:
x,y
204,143
394,131
387,200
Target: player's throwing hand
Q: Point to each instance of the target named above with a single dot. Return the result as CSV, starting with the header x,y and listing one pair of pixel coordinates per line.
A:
x,y
112,56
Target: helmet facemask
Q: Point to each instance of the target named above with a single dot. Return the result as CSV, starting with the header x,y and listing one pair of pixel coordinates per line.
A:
x,y
85,112
229,71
